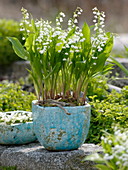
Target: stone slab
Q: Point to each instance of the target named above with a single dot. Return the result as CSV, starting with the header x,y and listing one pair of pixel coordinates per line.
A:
x,y
121,79
34,157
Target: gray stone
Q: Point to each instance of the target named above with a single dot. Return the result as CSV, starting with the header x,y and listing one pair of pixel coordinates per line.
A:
x,y
2,149
111,87
121,79
119,42
34,157
19,69
14,71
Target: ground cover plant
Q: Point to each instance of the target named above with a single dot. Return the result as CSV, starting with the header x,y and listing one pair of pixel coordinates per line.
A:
x,y
112,109
13,98
8,168
98,86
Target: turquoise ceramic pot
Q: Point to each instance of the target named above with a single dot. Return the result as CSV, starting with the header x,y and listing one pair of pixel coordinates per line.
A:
x,y
56,130
20,133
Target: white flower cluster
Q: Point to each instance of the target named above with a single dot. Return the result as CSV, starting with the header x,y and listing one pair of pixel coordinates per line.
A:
x,y
65,44
100,38
49,40
47,36
43,39
119,148
25,23
59,19
13,117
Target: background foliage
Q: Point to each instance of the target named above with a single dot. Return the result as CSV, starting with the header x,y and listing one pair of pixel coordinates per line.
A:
x,y
12,98
8,28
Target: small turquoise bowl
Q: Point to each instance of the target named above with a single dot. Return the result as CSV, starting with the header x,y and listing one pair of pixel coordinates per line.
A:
x,y
19,133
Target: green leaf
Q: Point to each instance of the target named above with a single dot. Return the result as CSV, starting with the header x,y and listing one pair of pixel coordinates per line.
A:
x,y
71,32
99,63
78,69
86,33
55,70
102,167
107,68
119,65
37,69
109,44
35,81
86,45
28,43
18,48
59,47
33,24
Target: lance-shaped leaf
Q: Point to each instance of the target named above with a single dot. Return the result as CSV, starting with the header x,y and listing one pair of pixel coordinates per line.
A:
x,y
109,44
18,48
55,70
86,33
86,45
124,69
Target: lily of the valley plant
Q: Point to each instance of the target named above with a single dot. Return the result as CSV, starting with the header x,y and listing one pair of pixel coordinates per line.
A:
x,y
64,60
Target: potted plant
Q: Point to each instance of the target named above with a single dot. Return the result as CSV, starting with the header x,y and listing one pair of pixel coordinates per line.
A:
x,y
63,61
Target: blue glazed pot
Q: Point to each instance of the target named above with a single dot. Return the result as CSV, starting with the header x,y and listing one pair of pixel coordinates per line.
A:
x,y
56,130
20,133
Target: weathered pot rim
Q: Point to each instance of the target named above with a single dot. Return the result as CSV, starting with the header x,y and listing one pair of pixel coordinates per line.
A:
x,y
15,124
52,107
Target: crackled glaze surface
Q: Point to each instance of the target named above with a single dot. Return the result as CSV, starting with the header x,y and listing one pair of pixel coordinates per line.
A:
x,y
21,133
56,130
